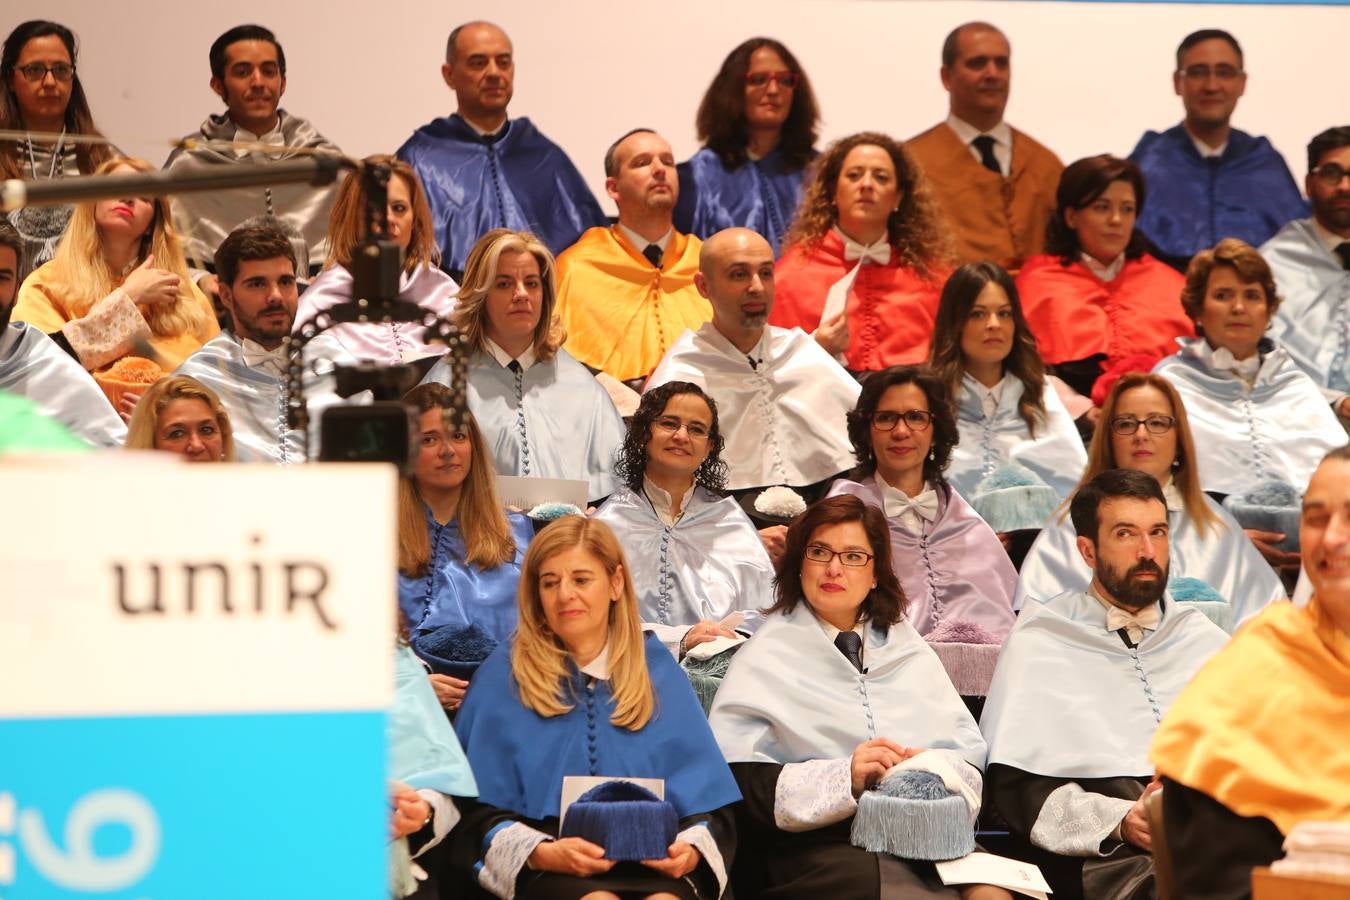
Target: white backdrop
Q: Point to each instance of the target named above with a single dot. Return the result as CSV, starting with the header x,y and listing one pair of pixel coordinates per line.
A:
x,y
1088,77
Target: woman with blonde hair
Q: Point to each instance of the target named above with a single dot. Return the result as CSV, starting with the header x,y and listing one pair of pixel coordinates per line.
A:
x,y
118,286
420,281
179,414
1144,427
865,259
542,412
459,552
580,691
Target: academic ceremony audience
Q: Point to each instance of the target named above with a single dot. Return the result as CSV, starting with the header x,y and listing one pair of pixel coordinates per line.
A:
x,y
876,443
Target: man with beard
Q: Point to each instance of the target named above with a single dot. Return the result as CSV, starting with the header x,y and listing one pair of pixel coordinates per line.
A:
x,y
1082,682
246,365
482,170
995,184
626,292
33,366
1311,262
783,399
248,73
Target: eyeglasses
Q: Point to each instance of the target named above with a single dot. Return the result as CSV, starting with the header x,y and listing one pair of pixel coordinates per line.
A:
x,y
38,71
851,558
785,79
1154,424
1330,174
671,425
915,419
1202,73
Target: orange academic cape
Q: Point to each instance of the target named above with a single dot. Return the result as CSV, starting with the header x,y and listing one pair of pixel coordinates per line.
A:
x,y
992,216
890,308
1264,728
621,313
1074,314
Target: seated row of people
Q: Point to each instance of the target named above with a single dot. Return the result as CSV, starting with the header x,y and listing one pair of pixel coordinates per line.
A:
x,y
759,120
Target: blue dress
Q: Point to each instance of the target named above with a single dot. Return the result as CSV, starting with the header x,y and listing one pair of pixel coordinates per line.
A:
x,y
761,195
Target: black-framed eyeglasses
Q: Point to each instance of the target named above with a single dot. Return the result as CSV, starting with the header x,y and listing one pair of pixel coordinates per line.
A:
x,y
1330,174
819,553
1202,72
915,419
672,425
1130,424
37,71
785,79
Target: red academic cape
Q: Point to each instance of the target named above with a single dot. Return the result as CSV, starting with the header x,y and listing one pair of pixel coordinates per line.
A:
x,y
890,308
1074,314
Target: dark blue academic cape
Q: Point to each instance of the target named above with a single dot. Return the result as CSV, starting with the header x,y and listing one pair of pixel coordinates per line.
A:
x,y
1192,203
519,757
522,180
760,195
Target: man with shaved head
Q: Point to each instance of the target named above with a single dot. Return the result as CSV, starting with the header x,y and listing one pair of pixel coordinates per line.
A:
x,y
483,170
995,184
626,292
781,397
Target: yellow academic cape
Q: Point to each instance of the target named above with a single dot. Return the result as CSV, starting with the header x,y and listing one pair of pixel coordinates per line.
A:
x,y
1264,728
620,312
44,305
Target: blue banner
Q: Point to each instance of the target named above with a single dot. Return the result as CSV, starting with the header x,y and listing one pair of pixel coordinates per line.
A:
x,y
210,806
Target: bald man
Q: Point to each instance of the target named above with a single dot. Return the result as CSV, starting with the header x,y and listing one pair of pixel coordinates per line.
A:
x,y
781,398
995,184
483,170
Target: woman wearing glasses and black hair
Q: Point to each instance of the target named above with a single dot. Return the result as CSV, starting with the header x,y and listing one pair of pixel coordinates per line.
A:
x,y
759,120
950,562
40,93
1144,428
873,695
696,558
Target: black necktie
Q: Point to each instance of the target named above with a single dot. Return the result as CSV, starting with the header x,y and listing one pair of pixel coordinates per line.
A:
x,y
1343,251
850,644
985,144
653,254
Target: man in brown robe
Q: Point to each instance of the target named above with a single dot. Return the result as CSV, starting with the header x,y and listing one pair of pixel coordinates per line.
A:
x,y
995,184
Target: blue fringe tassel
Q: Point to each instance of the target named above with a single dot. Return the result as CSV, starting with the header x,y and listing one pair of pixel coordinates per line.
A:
x,y
628,820
912,815
1269,506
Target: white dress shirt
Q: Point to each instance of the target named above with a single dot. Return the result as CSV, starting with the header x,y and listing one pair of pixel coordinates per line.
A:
x,y
1001,133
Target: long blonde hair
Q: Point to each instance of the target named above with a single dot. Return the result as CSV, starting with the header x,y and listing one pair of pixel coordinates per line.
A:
x,y
480,270
487,533
80,272
145,419
347,224
539,661
1184,474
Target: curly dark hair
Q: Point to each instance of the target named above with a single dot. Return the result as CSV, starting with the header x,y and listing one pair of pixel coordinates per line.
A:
x,y
1080,184
886,603
630,462
1023,362
916,230
945,434
721,115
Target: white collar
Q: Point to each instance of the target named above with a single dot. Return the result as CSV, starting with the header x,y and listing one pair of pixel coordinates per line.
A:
x,y
989,397
525,359
483,133
641,242
1175,502
662,501
1107,272
1222,361
598,668
1205,150
831,632
1329,239
1001,133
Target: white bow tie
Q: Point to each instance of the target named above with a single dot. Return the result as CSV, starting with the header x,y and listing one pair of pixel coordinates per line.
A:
x,y
1223,360
1135,623
273,138
878,253
256,356
925,505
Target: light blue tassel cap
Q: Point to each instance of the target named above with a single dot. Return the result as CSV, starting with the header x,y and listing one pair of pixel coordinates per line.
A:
x,y
1269,506
1198,593
1014,498
913,815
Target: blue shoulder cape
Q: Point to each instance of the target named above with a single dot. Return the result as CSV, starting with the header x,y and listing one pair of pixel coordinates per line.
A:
x,y
519,757
522,181
1193,203
761,195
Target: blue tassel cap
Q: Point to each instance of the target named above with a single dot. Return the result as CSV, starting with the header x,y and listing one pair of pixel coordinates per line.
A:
x,y
626,819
